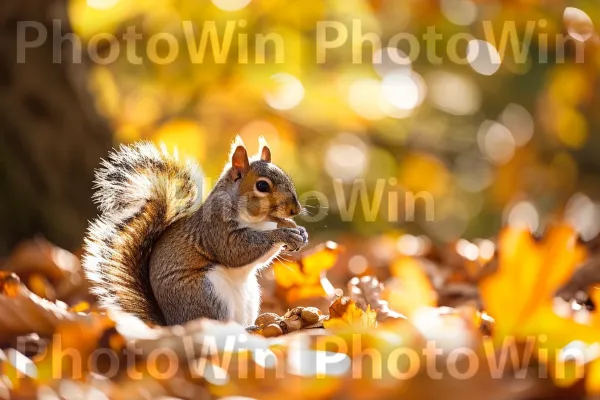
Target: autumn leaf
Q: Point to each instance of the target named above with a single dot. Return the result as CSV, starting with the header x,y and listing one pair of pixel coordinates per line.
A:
x,y
409,289
520,294
344,313
306,277
48,270
10,284
592,380
24,312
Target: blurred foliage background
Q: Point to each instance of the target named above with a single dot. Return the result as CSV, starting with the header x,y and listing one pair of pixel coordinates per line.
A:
x,y
493,143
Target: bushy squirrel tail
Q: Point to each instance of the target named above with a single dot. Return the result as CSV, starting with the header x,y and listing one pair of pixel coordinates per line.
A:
x,y
141,190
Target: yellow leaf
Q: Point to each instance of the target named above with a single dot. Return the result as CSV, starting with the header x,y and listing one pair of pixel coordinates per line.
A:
x,y
592,381
305,277
344,312
529,273
520,294
410,289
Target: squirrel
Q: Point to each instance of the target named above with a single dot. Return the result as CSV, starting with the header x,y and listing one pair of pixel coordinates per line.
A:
x,y
156,251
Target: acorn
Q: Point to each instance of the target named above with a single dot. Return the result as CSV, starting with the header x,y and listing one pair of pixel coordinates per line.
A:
x,y
294,323
310,316
272,330
267,319
296,311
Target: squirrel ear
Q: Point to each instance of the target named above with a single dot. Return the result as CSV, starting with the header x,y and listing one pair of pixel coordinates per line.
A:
x,y
239,163
265,152
237,142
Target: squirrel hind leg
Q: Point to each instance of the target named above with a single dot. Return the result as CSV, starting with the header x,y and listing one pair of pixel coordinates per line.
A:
x,y
180,307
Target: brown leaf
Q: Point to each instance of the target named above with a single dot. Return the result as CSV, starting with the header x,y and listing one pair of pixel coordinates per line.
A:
x,y
41,256
581,281
40,263
24,312
339,307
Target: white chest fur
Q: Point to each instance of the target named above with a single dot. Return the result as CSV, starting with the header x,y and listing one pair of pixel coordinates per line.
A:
x,y
239,289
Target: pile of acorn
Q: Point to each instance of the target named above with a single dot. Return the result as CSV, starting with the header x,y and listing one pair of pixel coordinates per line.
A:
x,y
272,325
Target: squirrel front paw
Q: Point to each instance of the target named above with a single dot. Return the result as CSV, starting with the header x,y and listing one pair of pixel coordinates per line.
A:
x,y
286,223
293,238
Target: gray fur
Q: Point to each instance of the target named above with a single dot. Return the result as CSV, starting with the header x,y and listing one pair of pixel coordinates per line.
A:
x,y
212,236
150,251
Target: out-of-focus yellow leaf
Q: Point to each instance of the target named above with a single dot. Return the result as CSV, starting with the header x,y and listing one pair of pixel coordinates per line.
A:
x,y
321,260
529,273
571,127
409,289
418,165
305,277
592,380
520,294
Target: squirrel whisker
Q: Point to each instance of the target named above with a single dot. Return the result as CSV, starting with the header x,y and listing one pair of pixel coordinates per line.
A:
x,y
280,259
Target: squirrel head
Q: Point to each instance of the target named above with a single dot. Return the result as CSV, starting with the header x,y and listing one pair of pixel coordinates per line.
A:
x,y
265,191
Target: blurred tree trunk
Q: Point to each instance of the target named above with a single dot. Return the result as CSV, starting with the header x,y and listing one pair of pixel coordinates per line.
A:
x,y
51,137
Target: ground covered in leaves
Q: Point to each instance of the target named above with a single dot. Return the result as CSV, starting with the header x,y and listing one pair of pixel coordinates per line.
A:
x,y
509,318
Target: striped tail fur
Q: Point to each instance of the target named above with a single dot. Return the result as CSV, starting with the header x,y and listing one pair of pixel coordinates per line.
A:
x,y
141,190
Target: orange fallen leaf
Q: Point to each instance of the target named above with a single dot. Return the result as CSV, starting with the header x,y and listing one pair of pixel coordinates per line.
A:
x,y
48,270
10,285
306,277
24,312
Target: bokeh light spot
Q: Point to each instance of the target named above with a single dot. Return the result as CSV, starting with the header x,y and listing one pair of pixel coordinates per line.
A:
x,y
453,93
459,12
579,25
496,142
524,215
255,129
584,216
483,57
390,59
358,265
287,93
230,5
364,97
346,158
402,90
520,123
102,4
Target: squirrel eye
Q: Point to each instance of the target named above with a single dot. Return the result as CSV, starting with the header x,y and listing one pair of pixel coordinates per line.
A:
x,y
262,186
